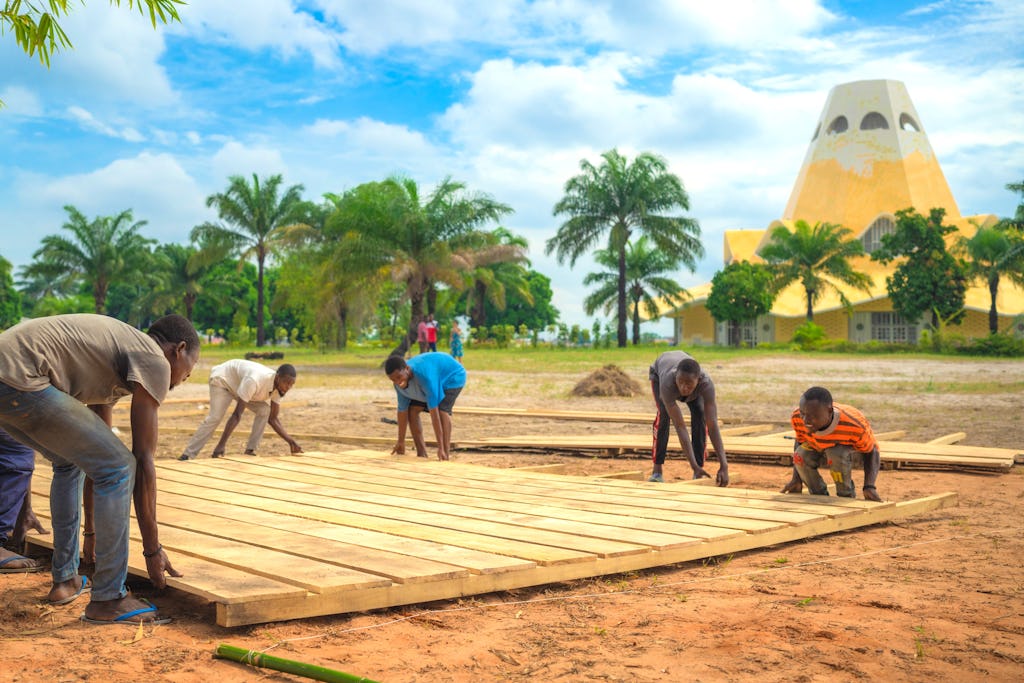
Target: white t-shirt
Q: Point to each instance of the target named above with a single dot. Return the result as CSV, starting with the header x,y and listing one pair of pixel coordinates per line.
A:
x,y
247,380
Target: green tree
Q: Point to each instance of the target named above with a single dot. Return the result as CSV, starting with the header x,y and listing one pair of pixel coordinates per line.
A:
x,y
100,252
236,297
740,292
264,220
928,278
818,256
534,312
37,30
186,274
417,242
499,268
10,300
1018,216
646,281
991,253
617,199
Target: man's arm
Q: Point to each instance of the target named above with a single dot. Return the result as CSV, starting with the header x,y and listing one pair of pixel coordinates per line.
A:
x,y
872,463
229,427
711,420
435,422
275,421
403,423
144,437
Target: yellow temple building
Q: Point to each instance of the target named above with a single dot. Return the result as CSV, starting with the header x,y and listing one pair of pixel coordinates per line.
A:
x,y
869,157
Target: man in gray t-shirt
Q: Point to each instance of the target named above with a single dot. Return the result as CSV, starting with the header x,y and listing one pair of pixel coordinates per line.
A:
x,y
676,377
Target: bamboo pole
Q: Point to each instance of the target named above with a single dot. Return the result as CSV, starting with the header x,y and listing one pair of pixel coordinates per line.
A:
x,y
290,666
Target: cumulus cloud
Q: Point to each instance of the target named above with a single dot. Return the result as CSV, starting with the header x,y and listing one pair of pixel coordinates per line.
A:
x,y
90,122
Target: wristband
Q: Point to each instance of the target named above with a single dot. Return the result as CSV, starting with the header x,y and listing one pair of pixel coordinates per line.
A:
x,y
156,552
88,533
869,486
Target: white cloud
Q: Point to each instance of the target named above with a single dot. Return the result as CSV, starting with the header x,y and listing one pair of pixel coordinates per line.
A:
x,y
261,24
235,158
19,101
90,122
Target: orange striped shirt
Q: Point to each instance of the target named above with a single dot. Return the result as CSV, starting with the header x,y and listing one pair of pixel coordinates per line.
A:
x,y
851,429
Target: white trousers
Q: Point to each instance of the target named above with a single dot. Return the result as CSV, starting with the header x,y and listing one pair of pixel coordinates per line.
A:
x,y
221,400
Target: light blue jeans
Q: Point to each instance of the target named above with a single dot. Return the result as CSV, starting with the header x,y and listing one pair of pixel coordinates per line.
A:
x,y
78,443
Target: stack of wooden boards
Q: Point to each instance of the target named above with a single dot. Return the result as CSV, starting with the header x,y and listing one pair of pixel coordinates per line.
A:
x,y
743,443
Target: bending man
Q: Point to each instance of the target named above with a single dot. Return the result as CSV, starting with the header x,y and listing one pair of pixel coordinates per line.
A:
x,y
255,387
677,378
430,381
59,379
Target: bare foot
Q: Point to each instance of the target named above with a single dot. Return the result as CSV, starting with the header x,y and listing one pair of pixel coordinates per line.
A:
x,y
27,521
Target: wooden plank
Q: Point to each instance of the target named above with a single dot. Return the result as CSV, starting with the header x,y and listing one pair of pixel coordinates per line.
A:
x,y
947,438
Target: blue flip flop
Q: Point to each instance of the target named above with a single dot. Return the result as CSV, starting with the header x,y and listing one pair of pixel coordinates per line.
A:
x,y
4,569
127,616
82,590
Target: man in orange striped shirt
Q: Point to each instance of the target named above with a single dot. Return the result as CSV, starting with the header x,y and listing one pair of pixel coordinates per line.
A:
x,y
832,433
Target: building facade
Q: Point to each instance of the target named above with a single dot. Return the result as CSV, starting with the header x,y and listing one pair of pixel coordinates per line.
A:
x,y
869,157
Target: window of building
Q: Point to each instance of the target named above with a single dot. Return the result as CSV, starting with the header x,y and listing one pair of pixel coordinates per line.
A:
x,y
838,125
872,238
874,121
908,123
890,327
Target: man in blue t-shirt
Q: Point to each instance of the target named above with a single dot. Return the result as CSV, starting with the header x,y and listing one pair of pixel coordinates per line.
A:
x,y
431,382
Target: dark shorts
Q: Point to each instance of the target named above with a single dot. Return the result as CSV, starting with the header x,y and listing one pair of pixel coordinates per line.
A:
x,y
446,404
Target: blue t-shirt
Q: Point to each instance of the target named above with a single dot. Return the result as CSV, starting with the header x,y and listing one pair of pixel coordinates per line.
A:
x,y
432,375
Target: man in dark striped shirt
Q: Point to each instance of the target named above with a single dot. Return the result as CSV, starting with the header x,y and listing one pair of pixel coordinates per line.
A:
x,y
831,433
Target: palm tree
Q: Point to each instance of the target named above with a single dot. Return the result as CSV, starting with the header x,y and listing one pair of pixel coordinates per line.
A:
x,y
419,243
646,281
991,253
817,256
186,273
263,221
99,253
616,199
500,259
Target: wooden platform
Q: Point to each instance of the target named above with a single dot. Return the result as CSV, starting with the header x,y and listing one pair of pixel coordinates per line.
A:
x,y
270,539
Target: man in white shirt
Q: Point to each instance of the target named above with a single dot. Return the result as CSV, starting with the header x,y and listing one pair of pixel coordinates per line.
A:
x,y
255,387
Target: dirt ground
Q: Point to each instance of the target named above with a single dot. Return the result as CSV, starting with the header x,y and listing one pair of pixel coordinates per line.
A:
x,y
938,596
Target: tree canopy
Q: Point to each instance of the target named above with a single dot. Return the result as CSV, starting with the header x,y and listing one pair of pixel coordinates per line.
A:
x,y
741,292
928,279
617,198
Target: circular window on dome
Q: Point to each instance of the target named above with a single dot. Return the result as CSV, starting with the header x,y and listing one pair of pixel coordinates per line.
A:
x,y
839,125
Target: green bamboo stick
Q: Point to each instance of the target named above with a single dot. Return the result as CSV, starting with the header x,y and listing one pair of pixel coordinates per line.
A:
x,y
317,673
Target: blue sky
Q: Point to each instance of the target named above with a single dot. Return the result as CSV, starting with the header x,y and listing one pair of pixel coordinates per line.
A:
x,y
505,95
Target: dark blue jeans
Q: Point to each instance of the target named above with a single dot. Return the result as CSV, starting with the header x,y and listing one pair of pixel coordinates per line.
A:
x,y
78,443
16,464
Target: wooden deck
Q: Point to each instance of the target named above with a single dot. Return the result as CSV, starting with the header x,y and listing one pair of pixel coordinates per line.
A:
x,y
270,539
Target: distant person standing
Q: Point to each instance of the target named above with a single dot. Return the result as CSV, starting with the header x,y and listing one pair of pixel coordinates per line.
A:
x,y
421,335
455,341
431,382
432,332
676,377
255,387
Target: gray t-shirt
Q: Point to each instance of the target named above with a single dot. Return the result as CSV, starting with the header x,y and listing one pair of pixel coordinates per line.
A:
x,y
663,371
93,358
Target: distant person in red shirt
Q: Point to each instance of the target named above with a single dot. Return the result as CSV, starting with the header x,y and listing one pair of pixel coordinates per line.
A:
x,y
833,434
431,332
